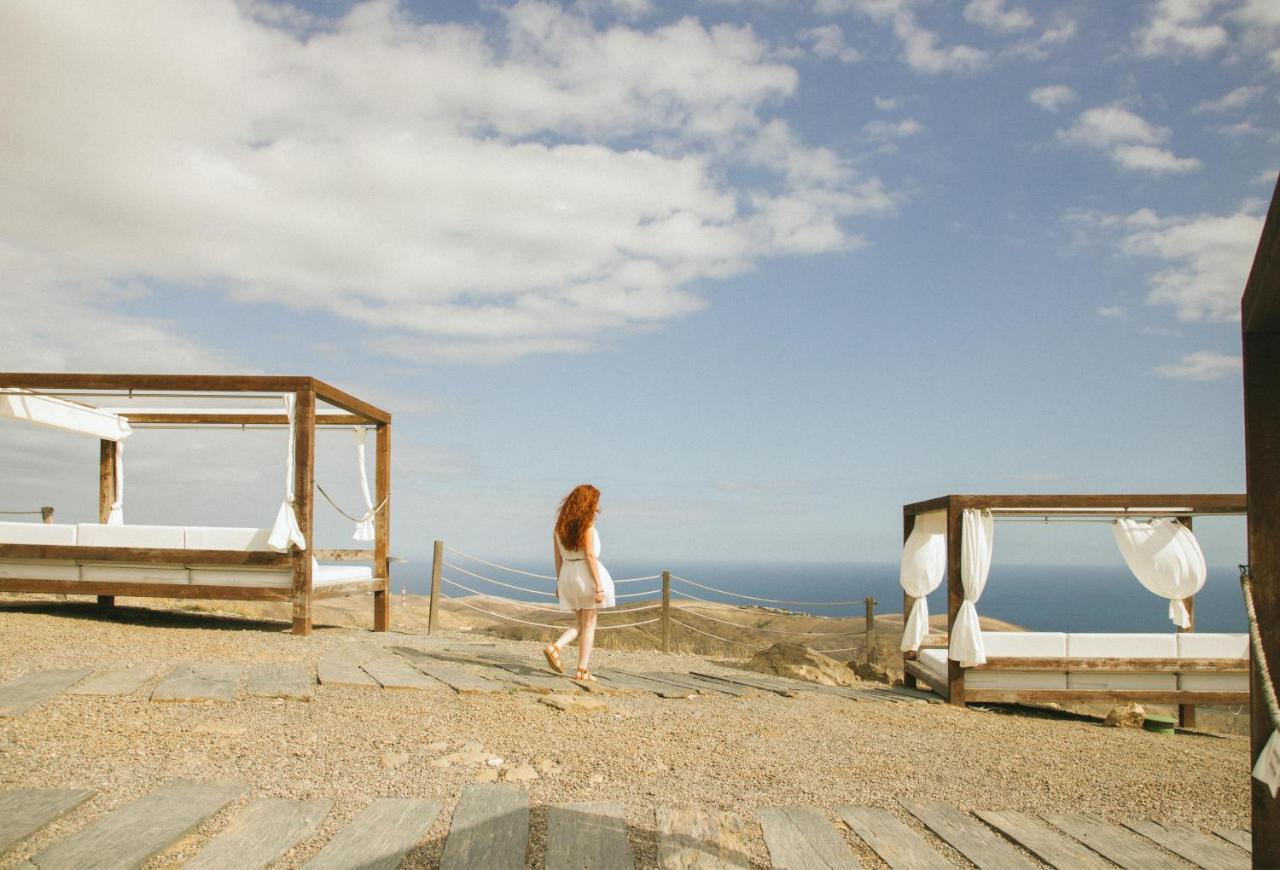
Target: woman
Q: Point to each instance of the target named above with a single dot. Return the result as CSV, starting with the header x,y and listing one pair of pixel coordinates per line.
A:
x,y
583,585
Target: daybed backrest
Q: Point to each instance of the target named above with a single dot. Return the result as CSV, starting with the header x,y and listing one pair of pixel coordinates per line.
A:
x,y
1023,644
1129,646
46,534
162,537
220,538
1213,646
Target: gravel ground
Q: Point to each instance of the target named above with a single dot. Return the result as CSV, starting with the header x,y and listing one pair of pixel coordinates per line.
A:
x,y
715,752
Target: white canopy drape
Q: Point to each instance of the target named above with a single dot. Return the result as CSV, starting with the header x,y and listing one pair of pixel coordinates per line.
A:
x,y
975,563
364,528
62,414
285,530
1166,558
116,517
924,562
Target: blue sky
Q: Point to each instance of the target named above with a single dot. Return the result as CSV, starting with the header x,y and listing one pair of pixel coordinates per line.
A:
x,y
763,271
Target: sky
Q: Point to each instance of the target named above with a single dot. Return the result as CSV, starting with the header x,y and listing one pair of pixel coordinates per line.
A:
x,y
762,270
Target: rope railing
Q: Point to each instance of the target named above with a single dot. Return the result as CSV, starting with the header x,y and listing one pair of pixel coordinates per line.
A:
x,y
767,600
693,606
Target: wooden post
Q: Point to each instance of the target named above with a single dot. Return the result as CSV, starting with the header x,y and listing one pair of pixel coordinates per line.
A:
x,y
955,597
106,495
666,611
304,455
382,530
1260,319
1187,712
908,523
436,558
871,629
46,514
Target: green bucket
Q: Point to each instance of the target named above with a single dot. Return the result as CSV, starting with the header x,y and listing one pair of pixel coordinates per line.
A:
x,y
1158,724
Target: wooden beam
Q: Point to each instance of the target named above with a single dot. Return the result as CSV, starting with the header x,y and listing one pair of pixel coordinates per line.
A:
x,y
1187,712
1086,696
382,529
1260,305
1260,310
1200,503
920,672
146,556
344,555
147,590
955,596
348,402
176,383
354,587
304,446
923,507
1164,666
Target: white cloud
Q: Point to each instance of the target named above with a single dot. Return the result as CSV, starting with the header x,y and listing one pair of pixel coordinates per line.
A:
x,y
995,16
1236,99
1267,177
920,48
887,130
827,42
534,187
885,104
1053,97
1259,23
1202,365
1176,27
1132,142
1111,312
1060,30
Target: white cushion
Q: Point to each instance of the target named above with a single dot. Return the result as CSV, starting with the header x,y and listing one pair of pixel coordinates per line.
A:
x,y
1193,645
115,572
328,575
51,534
242,576
221,538
934,661
39,569
1025,644
161,537
1127,646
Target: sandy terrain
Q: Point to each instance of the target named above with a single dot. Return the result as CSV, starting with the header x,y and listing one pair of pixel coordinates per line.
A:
x,y
351,745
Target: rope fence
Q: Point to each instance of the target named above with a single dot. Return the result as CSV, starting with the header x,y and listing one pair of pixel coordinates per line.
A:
x,y
691,606
45,513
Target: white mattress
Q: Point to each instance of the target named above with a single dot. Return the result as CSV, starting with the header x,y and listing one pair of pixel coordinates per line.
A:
x,y
50,534
163,537
934,661
1144,646
328,575
1025,644
220,538
1193,645
39,569
114,572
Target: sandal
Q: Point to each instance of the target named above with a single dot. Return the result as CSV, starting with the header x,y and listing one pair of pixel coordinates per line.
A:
x,y
553,657
585,676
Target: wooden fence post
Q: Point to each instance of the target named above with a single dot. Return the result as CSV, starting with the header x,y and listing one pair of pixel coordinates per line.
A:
x,y
871,629
46,514
666,611
436,558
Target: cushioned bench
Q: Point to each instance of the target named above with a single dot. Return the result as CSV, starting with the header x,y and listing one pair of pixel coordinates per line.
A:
x,y
1184,668
181,547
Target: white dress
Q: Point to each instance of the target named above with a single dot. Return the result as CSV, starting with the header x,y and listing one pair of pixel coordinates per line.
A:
x,y
576,590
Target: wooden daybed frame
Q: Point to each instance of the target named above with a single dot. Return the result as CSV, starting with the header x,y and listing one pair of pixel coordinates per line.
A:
x,y
954,690
307,390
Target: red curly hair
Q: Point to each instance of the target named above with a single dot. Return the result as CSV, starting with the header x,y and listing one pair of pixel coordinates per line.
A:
x,y
577,513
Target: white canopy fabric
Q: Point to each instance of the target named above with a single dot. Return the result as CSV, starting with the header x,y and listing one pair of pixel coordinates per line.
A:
x,y
1166,558
61,414
285,531
924,563
364,528
975,563
116,517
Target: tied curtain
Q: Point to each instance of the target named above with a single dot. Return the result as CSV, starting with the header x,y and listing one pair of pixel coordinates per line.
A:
x,y
285,531
1166,558
116,516
977,536
364,527
924,562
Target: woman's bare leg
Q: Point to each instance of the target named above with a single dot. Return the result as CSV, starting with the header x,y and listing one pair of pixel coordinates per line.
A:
x,y
568,636
586,637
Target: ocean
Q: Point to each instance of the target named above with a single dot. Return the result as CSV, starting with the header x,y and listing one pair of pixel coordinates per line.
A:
x,y
1038,598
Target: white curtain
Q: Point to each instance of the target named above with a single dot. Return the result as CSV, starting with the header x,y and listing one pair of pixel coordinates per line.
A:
x,y
364,528
1166,558
286,530
975,562
924,562
116,517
